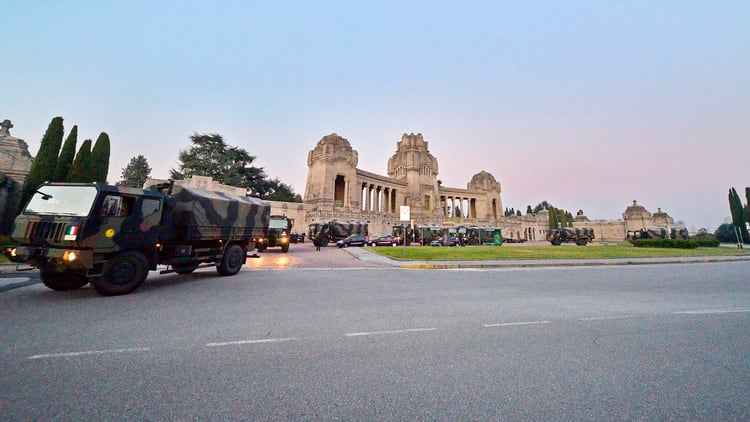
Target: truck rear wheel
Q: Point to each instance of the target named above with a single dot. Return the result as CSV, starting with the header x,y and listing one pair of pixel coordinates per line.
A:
x,y
122,274
582,242
231,262
62,281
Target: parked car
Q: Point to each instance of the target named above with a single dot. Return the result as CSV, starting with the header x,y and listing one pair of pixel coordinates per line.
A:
x,y
385,240
353,240
452,241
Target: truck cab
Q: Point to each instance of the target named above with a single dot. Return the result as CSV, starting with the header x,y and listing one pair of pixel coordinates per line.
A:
x,y
69,231
279,231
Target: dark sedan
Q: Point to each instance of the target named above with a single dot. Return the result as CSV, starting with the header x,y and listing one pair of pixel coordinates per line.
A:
x,y
452,241
385,240
353,240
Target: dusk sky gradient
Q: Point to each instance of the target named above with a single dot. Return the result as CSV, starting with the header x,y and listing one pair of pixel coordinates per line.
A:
x,y
587,105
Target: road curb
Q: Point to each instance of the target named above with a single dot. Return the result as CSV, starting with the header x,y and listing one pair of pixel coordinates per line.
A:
x,y
365,255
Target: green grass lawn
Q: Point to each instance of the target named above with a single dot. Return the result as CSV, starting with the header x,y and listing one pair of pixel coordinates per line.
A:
x,y
478,253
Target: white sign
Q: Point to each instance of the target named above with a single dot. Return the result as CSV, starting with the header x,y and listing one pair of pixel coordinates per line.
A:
x,y
405,213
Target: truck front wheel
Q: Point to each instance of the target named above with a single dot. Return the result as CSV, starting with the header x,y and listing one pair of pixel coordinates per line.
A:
x,y
285,248
62,281
122,274
231,262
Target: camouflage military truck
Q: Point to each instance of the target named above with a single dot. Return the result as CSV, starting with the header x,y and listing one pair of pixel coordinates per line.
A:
x,y
580,237
334,231
112,236
681,233
279,229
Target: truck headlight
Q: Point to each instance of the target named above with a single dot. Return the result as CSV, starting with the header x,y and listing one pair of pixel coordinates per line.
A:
x,y
14,252
70,256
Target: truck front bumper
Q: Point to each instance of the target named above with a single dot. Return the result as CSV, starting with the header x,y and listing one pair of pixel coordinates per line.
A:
x,y
53,259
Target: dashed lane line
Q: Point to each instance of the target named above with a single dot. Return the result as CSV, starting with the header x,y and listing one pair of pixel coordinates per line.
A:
x,y
606,318
386,332
258,341
713,311
512,324
88,352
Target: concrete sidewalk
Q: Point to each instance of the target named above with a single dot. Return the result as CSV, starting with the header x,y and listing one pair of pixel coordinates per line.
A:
x,y
365,255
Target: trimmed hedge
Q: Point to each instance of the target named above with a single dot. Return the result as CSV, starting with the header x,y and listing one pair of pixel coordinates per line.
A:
x,y
706,242
675,243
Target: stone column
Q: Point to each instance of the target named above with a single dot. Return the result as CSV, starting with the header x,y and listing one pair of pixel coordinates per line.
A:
x,y
347,199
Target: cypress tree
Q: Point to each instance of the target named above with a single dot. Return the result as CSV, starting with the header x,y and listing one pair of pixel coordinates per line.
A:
x,y
43,168
67,153
738,218
99,165
79,170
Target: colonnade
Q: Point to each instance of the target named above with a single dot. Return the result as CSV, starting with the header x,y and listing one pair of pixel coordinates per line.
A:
x,y
377,198
466,205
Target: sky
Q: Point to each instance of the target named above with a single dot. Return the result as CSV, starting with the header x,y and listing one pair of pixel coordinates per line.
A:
x,y
587,105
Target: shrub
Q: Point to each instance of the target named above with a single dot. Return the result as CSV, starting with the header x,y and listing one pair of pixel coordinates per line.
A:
x,y
705,242
664,243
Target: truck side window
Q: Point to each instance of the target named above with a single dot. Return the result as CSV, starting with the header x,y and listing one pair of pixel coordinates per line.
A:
x,y
126,208
111,205
149,206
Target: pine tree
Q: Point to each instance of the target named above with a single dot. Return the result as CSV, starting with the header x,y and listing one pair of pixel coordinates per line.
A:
x,y
135,173
67,154
43,168
99,161
79,171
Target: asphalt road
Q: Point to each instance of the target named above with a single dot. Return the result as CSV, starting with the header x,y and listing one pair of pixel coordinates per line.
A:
x,y
662,342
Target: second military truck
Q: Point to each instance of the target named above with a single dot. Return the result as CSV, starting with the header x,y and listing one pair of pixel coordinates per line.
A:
x,y
111,236
279,229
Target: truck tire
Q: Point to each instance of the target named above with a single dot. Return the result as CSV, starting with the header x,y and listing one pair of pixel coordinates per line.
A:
x,y
285,248
185,267
233,259
122,274
582,242
556,242
63,282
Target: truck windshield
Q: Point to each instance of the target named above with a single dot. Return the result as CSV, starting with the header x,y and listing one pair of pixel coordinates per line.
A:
x,y
277,224
63,200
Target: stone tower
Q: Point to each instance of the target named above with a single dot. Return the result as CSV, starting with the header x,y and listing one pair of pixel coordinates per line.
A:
x,y
492,205
332,173
412,163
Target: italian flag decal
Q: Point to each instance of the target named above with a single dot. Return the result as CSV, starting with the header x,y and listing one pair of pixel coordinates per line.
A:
x,y
70,233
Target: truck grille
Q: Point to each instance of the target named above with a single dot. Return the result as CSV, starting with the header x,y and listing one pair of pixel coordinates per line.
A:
x,y
45,230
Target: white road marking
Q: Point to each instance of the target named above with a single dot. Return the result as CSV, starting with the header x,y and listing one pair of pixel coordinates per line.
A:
x,y
14,279
88,352
511,324
713,311
259,341
605,318
377,333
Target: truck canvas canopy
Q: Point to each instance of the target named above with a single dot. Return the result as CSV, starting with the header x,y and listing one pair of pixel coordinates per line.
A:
x,y
199,213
